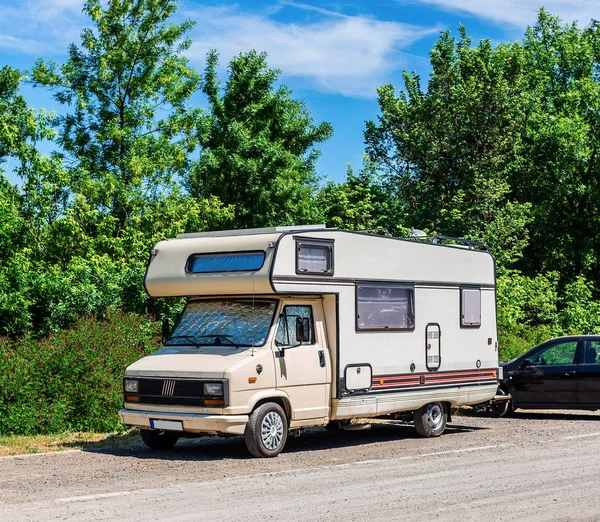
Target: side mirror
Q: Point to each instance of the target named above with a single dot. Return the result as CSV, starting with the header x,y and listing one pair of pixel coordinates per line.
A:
x,y
302,330
165,328
525,363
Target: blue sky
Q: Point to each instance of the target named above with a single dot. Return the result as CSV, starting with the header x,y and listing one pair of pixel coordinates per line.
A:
x,y
332,54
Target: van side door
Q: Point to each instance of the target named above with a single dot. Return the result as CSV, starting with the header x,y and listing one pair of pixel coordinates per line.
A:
x,y
303,369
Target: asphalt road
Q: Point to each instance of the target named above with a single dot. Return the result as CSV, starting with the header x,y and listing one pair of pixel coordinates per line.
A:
x,y
535,466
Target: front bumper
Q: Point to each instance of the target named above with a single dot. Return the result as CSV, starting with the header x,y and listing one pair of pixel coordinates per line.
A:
x,y
192,422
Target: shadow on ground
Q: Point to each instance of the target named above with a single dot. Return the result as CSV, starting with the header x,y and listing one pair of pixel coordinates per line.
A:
x,y
314,439
572,415
555,415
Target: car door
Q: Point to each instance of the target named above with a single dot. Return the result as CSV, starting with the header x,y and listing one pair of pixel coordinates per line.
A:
x,y
588,375
551,378
303,370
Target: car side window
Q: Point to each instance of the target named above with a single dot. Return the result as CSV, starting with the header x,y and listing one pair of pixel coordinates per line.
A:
x,y
560,353
286,332
592,350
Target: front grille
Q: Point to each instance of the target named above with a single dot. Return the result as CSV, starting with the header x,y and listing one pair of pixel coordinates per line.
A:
x,y
176,392
182,387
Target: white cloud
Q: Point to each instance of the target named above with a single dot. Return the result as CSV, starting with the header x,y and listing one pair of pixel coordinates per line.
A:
x,y
328,50
40,26
21,45
350,55
522,12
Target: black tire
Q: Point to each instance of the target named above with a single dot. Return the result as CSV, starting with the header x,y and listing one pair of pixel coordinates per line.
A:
x,y
501,408
430,420
158,439
267,430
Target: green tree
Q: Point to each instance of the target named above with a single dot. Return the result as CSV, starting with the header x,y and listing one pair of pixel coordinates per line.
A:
x,y
362,202
126,86
450,149
23,210
257,145
559,157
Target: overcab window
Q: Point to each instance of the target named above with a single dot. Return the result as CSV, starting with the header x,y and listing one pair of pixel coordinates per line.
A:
x,y
314,256
470,307
225,262
385,307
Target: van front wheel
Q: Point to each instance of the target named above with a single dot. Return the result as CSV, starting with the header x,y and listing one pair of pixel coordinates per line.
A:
x,y
430,420
267,430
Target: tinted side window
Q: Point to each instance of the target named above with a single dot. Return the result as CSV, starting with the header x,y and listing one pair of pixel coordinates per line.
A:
x,y
286,332
591,353
560,353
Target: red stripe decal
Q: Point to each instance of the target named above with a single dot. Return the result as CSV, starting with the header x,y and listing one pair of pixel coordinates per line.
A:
x,y
404,380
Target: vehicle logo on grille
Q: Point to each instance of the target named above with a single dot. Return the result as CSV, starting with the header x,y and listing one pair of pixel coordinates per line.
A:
x,y
168,387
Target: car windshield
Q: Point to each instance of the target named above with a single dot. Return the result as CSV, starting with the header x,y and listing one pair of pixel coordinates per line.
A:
x,y
224,322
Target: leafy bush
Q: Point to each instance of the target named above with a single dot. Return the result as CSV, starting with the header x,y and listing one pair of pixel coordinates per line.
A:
x,y
514,340
71,381
532,310
580,313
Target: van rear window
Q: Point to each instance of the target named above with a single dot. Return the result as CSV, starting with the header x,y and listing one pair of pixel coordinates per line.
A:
x,y
225,262
470,307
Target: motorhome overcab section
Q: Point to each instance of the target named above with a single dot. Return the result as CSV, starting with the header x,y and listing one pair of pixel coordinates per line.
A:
x,y
308,326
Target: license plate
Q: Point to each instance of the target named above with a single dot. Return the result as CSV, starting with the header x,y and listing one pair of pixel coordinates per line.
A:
x,y
158,424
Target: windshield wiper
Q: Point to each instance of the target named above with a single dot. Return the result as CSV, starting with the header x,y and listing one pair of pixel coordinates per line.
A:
x,y
188,337
219,337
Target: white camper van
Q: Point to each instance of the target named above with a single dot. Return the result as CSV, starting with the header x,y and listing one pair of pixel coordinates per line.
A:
x,y
287,328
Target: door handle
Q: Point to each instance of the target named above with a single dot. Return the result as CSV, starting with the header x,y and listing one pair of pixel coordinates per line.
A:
x,y
568,373
322,358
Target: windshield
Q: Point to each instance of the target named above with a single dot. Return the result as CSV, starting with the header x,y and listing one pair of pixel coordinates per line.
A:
x,y
224,322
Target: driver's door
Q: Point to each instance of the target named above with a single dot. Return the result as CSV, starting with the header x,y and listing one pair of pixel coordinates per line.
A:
x,y
550,380
303,370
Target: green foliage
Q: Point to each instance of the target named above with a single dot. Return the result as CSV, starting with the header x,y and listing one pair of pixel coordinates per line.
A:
x,y
580,312
71,381
20,126
77,267
257,143
527,300
449,149
128,71
75,237
516,339
559,157
362,202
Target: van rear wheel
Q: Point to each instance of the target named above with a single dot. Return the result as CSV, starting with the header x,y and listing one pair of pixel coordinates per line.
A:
x,y
158,439
267,430
430,420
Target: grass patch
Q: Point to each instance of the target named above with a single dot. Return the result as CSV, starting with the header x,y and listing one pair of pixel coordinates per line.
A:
x,y
27,444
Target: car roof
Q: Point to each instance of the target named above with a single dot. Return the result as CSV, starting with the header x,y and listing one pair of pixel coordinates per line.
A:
x,y
575,337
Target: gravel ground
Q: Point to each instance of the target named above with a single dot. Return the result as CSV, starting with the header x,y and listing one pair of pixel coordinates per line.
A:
x,y
532,466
